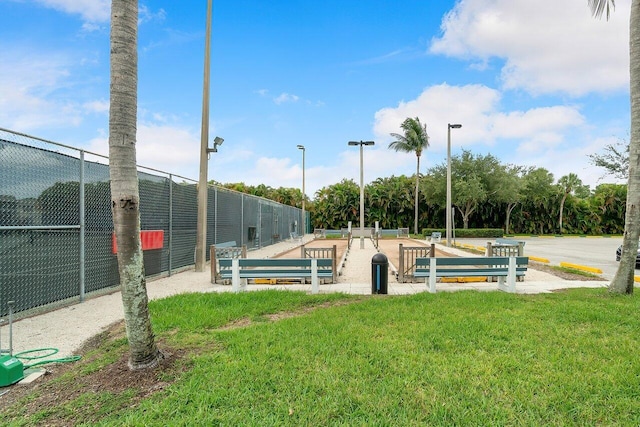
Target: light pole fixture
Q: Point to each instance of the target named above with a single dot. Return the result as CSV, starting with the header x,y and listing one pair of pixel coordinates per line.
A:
x,y
201,226
304,215
201,238
448,216
361,144
216,141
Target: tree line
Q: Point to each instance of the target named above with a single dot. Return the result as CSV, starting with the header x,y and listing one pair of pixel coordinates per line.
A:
x,y
485,194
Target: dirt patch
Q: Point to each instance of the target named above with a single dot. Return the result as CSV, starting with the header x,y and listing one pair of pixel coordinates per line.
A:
x,y
112,379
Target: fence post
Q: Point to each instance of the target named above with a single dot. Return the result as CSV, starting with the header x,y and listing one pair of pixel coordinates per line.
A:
x,y
432,251
401,264
82,227
302,252
244,251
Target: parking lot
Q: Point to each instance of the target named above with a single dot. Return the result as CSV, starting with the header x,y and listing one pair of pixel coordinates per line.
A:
x,y
598,252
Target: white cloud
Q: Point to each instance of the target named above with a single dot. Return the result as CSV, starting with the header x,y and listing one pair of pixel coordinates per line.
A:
x,y
564,159
145,14
285,97
547,47
98,106
29,87
90,10
166,148
94,12
238,164
477,108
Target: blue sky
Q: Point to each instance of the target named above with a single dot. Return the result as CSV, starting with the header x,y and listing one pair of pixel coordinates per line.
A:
x,y
533,83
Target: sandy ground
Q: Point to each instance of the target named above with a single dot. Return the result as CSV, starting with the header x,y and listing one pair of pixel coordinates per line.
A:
x,y
67,328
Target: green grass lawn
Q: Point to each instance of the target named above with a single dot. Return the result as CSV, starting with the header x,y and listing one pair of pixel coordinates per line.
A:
x,y
462,358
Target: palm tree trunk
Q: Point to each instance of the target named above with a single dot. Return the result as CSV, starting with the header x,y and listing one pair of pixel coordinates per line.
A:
x,y
124,183
623,280
564,198
510,208
415,220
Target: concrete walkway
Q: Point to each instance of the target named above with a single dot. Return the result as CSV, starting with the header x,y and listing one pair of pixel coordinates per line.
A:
x,y
68,328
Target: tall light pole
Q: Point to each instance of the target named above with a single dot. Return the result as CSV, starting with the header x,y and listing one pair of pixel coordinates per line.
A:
x,y
304,215
201,226
361,143
448,218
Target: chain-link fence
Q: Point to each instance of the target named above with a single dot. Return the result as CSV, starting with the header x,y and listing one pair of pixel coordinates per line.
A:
x,y
56,229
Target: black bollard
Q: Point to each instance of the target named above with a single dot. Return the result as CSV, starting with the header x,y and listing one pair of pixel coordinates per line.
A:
x,y
379,274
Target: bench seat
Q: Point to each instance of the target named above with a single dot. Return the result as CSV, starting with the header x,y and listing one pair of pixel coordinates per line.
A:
x,y
275,268
502,267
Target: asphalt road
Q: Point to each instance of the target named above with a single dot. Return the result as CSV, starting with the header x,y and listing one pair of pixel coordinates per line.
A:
x,y
598,252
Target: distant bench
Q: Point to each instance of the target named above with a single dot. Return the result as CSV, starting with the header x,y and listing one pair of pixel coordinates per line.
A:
x,y
509,242
241,269
505,248
502,267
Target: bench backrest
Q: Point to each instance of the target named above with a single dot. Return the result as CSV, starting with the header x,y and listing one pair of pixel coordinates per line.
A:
x,y
324,263
472,261
229,244
503,241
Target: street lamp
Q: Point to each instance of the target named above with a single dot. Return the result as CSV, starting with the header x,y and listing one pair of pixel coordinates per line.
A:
x,y
201,226
448,218
361,143
304,217
216,141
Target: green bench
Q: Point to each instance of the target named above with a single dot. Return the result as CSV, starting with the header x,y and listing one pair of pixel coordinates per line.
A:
x,y
505,268
509,242
241,269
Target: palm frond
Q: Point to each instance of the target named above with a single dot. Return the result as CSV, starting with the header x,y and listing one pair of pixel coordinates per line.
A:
x,y
599,6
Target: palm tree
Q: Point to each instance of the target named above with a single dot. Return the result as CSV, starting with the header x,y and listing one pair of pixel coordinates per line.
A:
x,y
623,281
125,195
568,184
415,139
